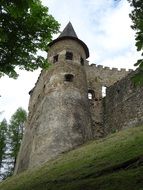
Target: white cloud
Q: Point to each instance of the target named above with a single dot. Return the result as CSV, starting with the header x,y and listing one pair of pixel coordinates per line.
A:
x,y
14,93
115,27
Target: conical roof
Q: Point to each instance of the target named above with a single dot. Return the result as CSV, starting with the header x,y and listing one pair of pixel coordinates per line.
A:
x,y
69,33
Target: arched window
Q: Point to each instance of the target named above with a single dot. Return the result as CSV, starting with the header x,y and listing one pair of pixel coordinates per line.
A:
x,y
69,55
68,77
91,94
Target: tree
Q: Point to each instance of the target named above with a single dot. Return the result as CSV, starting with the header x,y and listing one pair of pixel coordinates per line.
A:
x,y
137,19
3,131
16,128
25,28
3,143
10,140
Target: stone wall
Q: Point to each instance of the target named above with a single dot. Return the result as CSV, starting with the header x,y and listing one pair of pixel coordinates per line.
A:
x,y
104,75
59,116
60,49
97,78
123,105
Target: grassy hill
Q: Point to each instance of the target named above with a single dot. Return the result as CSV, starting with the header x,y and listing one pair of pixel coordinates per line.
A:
x,y
113,163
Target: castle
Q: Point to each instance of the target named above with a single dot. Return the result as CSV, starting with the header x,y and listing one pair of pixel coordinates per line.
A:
x,y
67,108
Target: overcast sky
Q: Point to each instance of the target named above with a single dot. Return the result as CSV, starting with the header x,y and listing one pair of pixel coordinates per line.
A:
x,y
104,25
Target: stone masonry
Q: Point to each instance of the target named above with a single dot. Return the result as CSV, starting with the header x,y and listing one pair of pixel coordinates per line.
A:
x,y
66,106
123,105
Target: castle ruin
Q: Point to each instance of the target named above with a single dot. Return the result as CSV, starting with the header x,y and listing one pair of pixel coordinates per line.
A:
x,y
67,108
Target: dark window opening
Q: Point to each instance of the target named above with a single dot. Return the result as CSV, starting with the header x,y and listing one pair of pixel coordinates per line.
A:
x,y
69,77
82,61
69,55
55,58
91,94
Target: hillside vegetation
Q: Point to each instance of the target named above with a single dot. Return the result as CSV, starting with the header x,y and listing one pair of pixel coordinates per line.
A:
x,y
112,163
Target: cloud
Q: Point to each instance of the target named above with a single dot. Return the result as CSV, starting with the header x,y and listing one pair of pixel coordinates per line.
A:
x,y
14,93
115,26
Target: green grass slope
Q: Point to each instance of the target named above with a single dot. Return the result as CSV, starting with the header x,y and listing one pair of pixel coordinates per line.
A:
x,y
113,163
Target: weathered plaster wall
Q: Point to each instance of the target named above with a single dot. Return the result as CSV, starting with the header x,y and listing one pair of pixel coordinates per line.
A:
x,y
123,105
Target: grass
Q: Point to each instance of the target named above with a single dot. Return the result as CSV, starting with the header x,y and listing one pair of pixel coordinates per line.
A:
x,y
113,163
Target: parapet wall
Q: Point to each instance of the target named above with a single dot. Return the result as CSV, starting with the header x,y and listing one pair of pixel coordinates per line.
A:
x,y
123,105
105,75
108,68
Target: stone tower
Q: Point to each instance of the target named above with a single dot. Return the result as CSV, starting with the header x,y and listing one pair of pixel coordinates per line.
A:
x,y
59,112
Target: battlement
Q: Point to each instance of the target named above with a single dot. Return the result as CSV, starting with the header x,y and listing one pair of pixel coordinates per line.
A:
x,y
105,68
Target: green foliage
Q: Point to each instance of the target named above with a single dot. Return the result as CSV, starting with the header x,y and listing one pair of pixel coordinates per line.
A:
x,y
84,168
3,139
25,28
16,128
137,19
10,140
3,145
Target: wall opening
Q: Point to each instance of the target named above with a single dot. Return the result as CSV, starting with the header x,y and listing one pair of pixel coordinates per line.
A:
x,y
82,61
104,91
68,77
118,91
55,58
91,94
69,55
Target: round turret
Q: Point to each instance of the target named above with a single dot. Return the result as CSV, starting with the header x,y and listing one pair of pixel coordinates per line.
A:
x,y
68,47
59,107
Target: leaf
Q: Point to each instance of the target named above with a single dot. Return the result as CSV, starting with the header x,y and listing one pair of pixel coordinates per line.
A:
x,y
139,45
138,78
138,62
26,27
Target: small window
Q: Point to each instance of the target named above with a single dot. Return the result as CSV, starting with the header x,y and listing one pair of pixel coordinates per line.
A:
x,y
69,77
55,58
91,94
69,55
103,91
82,61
